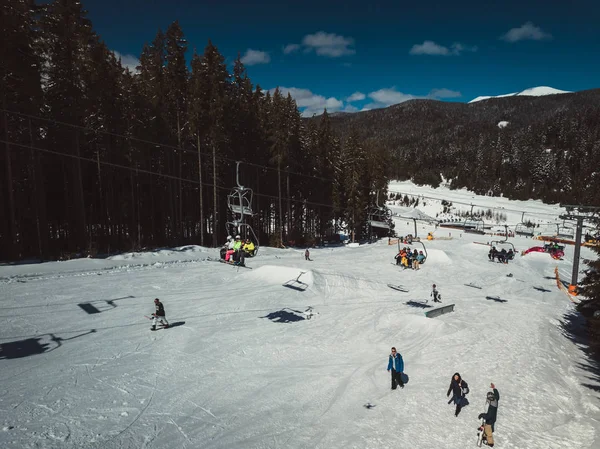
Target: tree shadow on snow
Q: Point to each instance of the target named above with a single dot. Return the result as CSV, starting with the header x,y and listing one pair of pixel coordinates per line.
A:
x,y
575,327
285,316
33,346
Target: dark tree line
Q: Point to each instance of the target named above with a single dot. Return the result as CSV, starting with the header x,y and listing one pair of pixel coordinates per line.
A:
x,y
550,149
97,159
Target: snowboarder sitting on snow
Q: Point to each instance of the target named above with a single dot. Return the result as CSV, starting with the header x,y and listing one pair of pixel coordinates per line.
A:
x,y
490,416
396,366
435,294
459,389
159,315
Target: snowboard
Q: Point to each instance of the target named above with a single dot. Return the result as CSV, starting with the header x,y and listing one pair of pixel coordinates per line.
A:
x,y
235,264
473,285
159,326
480,434
399,288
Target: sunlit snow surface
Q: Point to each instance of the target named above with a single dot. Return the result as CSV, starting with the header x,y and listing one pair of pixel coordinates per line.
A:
x,y
265,358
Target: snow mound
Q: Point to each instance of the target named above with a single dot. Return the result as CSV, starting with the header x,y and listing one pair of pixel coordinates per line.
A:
x,y
531,92
274,275
437,257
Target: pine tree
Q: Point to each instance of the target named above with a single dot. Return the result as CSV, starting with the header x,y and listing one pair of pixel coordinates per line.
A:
x,y
67,32
20,91
356,188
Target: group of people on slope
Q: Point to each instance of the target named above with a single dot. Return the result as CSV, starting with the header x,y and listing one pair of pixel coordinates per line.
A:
x,y
459,389
503,256
236,250
410,259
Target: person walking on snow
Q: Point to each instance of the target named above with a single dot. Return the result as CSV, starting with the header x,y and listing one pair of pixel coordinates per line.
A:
x,y
307,254
436,295
490,416
459,389
159,315
396,367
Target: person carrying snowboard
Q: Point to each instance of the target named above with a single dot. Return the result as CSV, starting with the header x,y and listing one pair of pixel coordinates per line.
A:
x,y
159,315
459,389
396,367
436,295
489,417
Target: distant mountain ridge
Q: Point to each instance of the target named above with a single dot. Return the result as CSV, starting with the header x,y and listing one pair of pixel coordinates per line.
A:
x,y
531,92
541,146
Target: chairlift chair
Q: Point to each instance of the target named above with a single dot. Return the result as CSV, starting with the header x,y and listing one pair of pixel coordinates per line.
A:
x,y
565,231
414,243
239,202
522,228
474,226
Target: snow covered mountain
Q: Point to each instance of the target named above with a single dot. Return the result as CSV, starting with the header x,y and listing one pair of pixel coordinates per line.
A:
x,y
531,92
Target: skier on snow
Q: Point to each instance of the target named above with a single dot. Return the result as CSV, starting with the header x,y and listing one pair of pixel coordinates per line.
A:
x,y
396,367
459,389
436,295
490,416
159,315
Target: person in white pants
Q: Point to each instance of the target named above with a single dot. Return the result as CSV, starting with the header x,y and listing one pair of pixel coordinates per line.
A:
x,y
159,315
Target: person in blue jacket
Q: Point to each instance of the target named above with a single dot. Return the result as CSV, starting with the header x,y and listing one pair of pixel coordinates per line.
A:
x,y
396,367
459,388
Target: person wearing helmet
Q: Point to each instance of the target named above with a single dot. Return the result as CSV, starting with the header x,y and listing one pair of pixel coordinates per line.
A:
x,y
231,248
489,418
226,247
159,314
435,294
421,257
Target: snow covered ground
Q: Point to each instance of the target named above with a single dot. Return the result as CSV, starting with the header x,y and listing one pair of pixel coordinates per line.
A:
x,y
287,354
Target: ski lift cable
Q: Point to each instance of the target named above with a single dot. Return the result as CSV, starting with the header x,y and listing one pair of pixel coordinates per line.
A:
x,y
162,175
162,145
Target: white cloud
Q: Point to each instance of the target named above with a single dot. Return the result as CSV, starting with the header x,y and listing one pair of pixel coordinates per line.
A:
x,y
356,96
383,98
290,48
311,103
350,108
128,61
527,31
253,57
431,48
329,44
388,97
443,93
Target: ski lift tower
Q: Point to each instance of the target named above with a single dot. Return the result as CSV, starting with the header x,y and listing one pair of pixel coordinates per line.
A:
x,y
239,202
585,213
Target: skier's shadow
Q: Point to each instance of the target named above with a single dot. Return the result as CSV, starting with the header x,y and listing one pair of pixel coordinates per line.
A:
x,y
176,323
542,289
420,305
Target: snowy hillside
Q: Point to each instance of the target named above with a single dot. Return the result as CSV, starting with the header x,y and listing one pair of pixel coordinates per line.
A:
x,y
531,92
288,353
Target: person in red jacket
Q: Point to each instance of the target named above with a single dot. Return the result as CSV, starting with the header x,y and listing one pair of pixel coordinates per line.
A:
x,y
159,315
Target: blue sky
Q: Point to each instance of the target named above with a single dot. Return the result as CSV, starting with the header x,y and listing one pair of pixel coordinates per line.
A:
x,y
351,55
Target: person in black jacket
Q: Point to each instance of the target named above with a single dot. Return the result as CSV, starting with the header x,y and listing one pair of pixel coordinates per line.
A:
x,y
159,315
490,416
459,389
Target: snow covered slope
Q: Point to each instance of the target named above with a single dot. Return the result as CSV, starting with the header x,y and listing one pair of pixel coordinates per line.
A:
x,y
287,354
532,92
